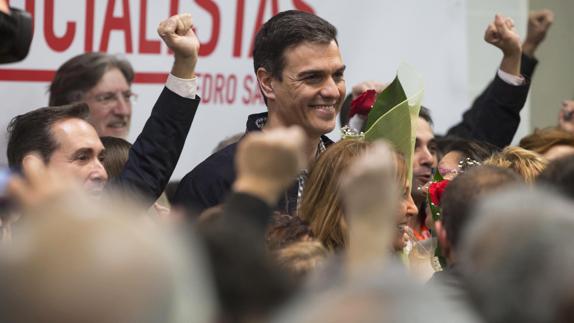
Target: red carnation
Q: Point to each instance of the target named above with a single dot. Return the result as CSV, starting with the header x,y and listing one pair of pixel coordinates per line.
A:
x,y
436,189
363,103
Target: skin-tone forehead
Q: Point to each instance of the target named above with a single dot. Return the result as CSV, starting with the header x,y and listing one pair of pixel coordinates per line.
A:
x,y
73,134
113,80
424,130
299,55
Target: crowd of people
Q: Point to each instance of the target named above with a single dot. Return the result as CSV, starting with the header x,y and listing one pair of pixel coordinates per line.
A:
x,y
282,224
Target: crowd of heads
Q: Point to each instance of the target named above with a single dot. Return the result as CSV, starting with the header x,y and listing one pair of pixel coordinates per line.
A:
x,y
494,222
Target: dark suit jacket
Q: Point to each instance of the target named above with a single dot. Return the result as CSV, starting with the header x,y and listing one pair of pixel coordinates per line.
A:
x,y
154,154
495,114
209,182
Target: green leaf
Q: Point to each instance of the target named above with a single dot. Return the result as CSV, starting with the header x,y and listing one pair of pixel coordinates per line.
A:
x,y
386,100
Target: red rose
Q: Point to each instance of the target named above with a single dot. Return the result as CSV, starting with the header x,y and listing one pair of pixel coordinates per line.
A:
x,y
436,189
363,103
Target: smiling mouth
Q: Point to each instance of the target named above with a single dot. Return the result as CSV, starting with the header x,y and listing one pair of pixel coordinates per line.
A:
x,y
117,124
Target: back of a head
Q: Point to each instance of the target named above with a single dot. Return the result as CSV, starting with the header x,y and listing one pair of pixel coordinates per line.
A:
x,y
81,73
32,131
116,155
517,257
464,191
525,163
541,140
286,30
475,150
321,205
301,258
77,261
390,296
559,174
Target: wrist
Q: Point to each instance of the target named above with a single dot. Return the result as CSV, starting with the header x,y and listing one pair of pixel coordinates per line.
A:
x,y
184,67
529,48
258,187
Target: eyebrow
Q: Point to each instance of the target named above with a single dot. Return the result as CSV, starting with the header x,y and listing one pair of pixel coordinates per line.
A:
x,y
315,72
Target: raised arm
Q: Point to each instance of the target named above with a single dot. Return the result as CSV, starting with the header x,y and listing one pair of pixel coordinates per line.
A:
x,y
155,152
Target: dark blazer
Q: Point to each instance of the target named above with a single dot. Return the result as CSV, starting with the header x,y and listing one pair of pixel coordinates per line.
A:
x,y
495,114
209,182
154,154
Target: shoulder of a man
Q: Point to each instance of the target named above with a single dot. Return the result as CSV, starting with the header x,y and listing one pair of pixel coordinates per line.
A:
x,y
209,182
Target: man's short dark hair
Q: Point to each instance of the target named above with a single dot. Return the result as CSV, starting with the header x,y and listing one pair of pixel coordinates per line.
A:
x,y
286,30
81,73
32,131
461,195
424,113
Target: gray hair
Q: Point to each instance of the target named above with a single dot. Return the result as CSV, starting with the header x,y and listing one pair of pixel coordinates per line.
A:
x,y
517,257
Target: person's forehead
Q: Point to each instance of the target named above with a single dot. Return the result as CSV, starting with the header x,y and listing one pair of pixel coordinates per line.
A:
x,y
113,80
308,54
73,133
424,130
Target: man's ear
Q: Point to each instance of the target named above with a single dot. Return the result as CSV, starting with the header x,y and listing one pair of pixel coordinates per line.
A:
x,y
31,162
441,235
265,80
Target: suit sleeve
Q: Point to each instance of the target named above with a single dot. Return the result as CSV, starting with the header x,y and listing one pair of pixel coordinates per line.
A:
x,y
155,153
495,114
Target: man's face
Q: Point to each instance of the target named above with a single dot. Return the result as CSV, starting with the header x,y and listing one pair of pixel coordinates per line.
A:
x,y
424,158
110,105
311,89
79,153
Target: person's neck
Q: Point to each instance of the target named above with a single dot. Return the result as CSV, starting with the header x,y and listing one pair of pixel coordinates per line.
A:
x,y
311,143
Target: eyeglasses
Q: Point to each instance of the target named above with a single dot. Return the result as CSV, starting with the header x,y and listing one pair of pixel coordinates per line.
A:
x,y
111,98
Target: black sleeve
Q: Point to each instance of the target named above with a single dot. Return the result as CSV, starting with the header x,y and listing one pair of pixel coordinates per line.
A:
x,y
246,208
495,114
154,154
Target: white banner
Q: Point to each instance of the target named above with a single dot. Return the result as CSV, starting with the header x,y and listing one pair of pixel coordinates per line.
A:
x,y
374,36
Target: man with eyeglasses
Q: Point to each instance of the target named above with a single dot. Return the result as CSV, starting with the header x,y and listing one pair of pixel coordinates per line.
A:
x,y
66,137
103,81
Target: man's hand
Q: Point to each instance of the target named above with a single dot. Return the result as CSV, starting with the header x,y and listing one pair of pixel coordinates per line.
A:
x,y
502,34
358,89
177,33
539,23
268,162
566,116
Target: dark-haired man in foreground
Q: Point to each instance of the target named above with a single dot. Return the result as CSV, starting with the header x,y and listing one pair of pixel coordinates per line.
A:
x,y
299,70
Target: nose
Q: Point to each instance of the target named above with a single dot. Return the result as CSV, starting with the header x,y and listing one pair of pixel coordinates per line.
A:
x,y
98,173
330,89
426,157
123,106
411,208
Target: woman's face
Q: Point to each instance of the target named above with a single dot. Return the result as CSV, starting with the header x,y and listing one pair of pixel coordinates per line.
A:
x,y
407,211
448,166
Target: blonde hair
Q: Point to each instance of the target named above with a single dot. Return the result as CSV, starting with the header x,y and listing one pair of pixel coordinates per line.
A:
x,y
301,258
321,205
526,163
543,139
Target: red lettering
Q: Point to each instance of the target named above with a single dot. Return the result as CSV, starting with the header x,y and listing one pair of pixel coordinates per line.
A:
x,y
58,44
219,86
301,5
231,87
89,37
247,84
145,45
208,47
238,39
259,20
206,88
121,23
